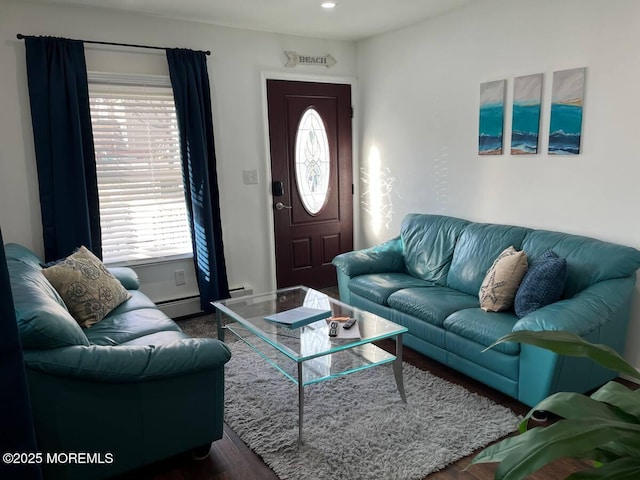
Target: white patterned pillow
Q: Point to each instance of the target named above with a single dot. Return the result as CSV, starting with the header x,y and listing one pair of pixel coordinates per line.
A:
x,y
88,289
502,280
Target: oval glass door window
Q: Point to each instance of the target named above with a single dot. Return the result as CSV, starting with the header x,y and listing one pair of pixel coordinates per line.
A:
x,y
312,161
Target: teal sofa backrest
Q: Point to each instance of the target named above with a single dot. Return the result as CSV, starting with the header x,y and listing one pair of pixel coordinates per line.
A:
x,y
588,260
478,247
43,319
428,245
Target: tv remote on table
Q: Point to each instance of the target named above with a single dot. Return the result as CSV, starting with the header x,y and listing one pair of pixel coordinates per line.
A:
x,y
349,323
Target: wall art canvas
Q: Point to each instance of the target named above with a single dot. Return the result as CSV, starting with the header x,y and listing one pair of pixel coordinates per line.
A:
x,y
491,117
527,95
567,97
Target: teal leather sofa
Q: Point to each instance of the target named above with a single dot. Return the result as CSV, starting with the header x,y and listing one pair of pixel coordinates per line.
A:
x,y
130,390
427,279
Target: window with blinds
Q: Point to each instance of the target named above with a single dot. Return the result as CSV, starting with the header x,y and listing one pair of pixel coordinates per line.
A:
x,y
142,204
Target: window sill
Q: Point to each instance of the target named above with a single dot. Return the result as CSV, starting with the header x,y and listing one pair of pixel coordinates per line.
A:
x,y
152,261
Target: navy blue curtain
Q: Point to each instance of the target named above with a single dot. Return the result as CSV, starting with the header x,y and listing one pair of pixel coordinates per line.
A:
x,y
16,423
59,96
190,82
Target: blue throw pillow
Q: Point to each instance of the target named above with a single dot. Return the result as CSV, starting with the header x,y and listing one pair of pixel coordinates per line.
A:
x,y
542,284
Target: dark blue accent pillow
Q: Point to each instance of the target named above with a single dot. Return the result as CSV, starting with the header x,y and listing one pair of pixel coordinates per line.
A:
x,y
542,284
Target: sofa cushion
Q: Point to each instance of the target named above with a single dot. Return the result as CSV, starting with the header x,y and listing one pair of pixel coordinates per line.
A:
x,y
377,287
429,242
136,301
501,283
542,284
431,304
88,289
588,260
43,320
158,338
484,327
495,368
478,247
125,327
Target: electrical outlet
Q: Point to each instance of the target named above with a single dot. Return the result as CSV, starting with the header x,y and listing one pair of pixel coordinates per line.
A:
x,y
179,276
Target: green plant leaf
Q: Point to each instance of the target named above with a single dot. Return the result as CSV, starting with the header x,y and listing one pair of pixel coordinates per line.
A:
x,y
623,469
575,405
606,454
566,343
623,397
539,446
566,438
499,451
613,451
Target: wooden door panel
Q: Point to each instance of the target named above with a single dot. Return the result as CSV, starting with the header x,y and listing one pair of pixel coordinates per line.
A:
x,y
307,242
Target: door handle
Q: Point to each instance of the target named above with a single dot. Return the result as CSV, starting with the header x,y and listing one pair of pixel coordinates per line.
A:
x,y
280,206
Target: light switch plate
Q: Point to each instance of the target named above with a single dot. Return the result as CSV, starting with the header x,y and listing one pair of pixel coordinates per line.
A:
x,y
250,177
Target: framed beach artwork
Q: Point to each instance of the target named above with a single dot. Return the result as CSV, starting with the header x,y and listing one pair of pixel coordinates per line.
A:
x,y
492,96
565,129
527,95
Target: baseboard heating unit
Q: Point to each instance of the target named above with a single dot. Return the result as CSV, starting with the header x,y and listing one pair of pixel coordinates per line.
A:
x,y
181,307
189,306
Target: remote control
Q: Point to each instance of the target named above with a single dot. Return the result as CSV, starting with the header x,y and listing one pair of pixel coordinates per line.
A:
x,y
349,323
333,329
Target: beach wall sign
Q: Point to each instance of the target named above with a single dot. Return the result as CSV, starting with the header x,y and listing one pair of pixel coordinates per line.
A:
x,y
294,59
527,96
492,99
567,98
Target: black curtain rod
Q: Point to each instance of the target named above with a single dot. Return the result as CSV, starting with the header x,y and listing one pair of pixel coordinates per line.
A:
x,y
20,36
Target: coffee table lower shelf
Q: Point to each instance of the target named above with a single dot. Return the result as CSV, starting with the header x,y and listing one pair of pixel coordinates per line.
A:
x,y
307,371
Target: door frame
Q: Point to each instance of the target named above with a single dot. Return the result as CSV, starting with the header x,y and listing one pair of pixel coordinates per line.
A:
x,y
355,167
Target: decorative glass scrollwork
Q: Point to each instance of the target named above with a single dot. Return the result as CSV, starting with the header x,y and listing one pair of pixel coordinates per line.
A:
x,y
312,163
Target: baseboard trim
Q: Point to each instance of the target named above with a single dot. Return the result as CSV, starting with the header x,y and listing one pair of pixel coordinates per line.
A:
x,y
190,306
181,307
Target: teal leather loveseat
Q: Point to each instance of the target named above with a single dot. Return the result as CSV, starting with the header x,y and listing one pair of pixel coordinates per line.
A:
x,y
128,391
427,279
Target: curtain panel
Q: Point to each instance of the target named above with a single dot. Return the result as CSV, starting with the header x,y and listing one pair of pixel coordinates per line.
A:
x,y
63,138
190,82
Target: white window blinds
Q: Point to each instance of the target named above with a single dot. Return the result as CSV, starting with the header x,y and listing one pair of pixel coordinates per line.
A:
x,y
142,205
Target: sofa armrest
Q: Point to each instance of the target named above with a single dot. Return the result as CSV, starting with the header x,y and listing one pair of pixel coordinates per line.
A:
x,y
128,364
583,313
127,277
386,257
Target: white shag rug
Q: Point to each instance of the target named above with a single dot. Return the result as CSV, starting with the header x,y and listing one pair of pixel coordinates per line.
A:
x,y
356,427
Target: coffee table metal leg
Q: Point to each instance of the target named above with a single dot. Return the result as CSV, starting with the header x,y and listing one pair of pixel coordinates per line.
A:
x,y
397,368
300,403
219,325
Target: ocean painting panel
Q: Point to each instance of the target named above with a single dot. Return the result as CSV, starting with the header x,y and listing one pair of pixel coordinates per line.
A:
x,y
491,117
527,94
567,97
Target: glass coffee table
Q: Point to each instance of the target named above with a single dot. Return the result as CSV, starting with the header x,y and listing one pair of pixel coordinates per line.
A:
x,y
307,354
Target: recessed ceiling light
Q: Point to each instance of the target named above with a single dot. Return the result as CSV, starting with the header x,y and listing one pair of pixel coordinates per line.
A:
x,y
328,4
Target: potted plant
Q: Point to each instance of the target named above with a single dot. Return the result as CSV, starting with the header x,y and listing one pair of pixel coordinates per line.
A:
x,y
603,427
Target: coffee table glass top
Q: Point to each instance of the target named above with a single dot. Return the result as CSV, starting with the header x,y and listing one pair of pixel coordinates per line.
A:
x,y
352,350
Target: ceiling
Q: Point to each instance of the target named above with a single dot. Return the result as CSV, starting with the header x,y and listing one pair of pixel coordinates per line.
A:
x,y
349,20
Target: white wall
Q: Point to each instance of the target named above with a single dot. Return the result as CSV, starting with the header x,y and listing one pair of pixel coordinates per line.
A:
x,y
418,105
239,59
420,92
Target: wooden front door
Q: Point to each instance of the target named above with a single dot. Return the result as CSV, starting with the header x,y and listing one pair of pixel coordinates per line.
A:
x,y
311,169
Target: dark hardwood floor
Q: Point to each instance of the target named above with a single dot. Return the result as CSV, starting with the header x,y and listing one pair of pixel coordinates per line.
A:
x,y
230,459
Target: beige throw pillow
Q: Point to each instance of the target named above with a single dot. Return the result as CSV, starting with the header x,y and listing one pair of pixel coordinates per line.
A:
x,y
501,283
88,289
